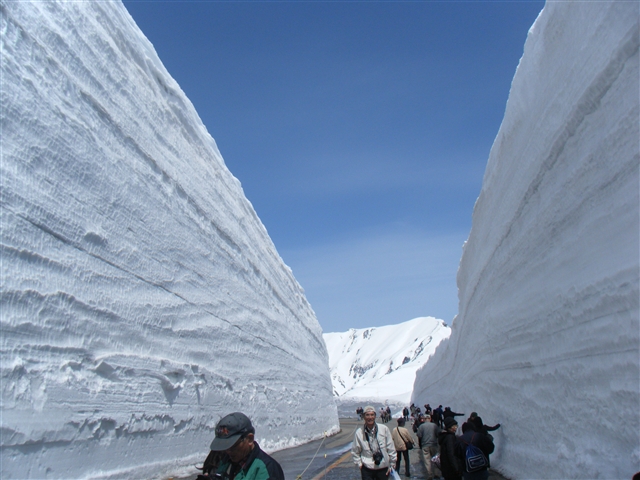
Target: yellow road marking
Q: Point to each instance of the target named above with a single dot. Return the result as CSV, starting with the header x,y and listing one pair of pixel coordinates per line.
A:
x,y
332,466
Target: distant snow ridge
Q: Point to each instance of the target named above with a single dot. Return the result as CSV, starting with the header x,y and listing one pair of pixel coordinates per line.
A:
x,y
547,340
380,363
142,298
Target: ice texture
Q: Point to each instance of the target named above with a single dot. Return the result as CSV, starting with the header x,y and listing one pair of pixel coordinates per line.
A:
x,y
380,363
142,298
546,341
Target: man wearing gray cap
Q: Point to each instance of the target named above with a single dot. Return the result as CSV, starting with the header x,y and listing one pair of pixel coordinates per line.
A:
x,y
243,459
373,450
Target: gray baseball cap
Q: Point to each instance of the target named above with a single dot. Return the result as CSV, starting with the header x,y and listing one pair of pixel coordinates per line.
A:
x,y
230,429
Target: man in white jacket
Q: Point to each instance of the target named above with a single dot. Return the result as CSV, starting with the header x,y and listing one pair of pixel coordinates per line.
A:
x,y
373,449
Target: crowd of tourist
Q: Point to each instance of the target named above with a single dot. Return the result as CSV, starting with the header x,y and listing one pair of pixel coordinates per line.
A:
x,y
376,450
446,453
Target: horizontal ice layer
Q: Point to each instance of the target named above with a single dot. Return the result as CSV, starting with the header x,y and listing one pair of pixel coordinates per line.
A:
x,y
547,337
142,298
380,363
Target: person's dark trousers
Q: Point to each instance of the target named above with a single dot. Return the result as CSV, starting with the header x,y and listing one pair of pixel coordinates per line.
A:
x,y
404,454
369,474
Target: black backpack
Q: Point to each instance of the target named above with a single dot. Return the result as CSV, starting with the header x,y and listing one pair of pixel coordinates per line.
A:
x,y
474,458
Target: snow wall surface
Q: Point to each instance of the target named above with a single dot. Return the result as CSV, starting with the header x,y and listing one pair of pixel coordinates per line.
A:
x,y
142,298
546,341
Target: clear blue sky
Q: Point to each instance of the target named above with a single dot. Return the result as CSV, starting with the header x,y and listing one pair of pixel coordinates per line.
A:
x,y
360,132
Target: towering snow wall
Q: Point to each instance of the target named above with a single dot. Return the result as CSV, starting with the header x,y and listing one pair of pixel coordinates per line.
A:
x,y
547,336
142,298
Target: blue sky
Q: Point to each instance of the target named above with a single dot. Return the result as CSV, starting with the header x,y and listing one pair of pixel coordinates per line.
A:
x,y
360,132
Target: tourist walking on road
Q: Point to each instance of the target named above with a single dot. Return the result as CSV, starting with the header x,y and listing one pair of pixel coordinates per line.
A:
x,y
417,422
450,464
402,439
483,441
448,413
468,425
373,450
436,417
428,441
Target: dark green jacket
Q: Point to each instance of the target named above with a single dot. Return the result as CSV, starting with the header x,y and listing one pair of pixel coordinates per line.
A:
x,y
259,466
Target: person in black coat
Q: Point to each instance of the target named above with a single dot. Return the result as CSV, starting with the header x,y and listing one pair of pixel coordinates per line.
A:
x,y
468,425
448,413
420,419
483,441
450,464
436,416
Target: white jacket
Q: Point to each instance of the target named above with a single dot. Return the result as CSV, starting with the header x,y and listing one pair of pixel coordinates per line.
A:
x,y
362,454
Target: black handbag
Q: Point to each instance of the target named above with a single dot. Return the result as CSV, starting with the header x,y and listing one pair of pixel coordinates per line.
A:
x,y
407,443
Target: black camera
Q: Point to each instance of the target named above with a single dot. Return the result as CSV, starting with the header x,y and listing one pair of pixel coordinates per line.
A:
x,y
377,457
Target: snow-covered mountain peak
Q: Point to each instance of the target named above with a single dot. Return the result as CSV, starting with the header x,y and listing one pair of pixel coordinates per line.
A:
x,y
380,362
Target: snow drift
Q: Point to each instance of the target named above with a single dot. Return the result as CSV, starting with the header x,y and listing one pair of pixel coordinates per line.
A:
x,y
380,363
142,298
547,336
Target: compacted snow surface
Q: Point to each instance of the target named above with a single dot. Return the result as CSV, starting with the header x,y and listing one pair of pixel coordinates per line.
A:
x,y
379,364
546,341
142,298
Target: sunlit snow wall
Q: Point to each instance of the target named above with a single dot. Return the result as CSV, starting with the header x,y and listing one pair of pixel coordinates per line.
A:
x,y
546,341
142,298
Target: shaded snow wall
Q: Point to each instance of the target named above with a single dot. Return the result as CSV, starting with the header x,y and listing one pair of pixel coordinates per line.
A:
x,y
142,298
547,336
